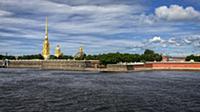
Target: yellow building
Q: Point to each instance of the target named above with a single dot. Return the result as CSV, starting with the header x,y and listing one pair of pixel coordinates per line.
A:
x,y
80,54
46,46
58,52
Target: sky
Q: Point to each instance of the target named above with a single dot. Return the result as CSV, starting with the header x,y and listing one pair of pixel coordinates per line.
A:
x,y
169,27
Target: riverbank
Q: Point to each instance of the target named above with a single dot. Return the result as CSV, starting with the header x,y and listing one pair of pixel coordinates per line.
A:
x,y
94,65
51,64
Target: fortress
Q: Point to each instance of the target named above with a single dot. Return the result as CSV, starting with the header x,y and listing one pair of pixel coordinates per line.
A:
x,y
92,65
58,53
57,64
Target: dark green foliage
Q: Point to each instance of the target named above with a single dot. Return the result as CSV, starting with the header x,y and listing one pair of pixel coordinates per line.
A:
x,y
7,57
192,57
65,57
109,58
148,52
80,57
61,57
151,57
36,56
113,58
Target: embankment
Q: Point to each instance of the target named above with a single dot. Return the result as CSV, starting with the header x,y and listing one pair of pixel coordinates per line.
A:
x,y
94,65
154,66
173,65
53,64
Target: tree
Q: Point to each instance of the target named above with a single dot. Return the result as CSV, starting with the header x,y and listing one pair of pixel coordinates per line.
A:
x,y
192,57
109,58
148,52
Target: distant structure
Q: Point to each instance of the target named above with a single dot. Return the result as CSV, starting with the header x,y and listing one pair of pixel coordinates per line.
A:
x,y
80,55
46,46
177,59
58,52
173,59
165,58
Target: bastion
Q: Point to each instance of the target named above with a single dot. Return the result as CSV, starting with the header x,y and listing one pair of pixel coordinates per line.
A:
x,y
52,64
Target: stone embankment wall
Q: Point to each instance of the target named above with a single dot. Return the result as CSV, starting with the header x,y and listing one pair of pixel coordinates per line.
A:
x,y
24,63
173,66
119,67
154,66
53,64
94,65
65,65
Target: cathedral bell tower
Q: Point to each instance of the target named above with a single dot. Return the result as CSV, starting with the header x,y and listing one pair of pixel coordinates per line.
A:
x,y
46,46
58,52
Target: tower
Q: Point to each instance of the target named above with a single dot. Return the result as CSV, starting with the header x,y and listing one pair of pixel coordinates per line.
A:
x,y
58,52
80,55
46,46
81,51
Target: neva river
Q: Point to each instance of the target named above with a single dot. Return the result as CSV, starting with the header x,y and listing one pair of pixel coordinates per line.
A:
x,y
25,90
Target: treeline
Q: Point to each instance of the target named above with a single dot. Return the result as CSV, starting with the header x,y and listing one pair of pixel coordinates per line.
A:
x,y
193,57
36,56
61,57
109,58
113,58
7,57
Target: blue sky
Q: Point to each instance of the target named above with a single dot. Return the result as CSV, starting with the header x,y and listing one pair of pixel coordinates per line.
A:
x,y
171,27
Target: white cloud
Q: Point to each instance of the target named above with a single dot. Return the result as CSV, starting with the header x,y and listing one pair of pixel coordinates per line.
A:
x,y
172,41
45,6
156,39
178,44
176,12
5,13
187,41
96,26
147,20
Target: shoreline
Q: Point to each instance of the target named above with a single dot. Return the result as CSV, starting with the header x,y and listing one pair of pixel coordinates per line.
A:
x,y
94,66
104,71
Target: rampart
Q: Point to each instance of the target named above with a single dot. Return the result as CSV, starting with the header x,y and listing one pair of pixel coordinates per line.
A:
x,y
93,65
53,64
173,65
119,67
64,65
154,66
25,63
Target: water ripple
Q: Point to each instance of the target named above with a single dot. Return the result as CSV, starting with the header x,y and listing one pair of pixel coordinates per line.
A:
x,y
26,90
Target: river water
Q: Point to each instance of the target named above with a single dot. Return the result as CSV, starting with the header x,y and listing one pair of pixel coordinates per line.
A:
x,y
28,90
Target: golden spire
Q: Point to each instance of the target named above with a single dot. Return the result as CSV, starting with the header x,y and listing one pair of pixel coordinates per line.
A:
x,y
46,46
46,27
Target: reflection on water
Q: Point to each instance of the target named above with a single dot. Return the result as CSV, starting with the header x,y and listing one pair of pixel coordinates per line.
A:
x,y
25,90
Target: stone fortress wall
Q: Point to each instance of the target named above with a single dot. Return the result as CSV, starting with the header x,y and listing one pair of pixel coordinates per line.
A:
x,y
94,65
53,64
154,66
173,65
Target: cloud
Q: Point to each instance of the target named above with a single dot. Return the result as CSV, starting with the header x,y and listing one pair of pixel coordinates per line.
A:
x,y
193,40
97,2
99,25
50,7
5,13
187,41
172,41
176,12
156,39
